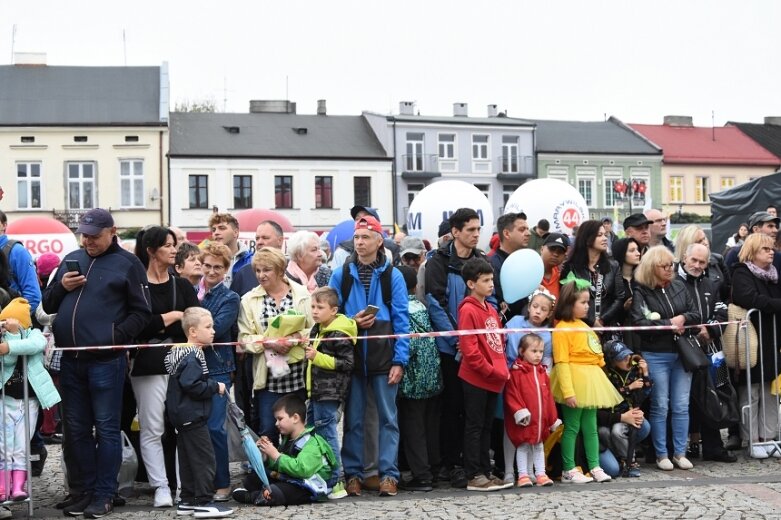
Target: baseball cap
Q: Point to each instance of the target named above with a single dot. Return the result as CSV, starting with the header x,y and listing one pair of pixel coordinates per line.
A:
x,y
760,217
616,351
413,245
95,221
556,240
636,220
370,223
371,211
607,219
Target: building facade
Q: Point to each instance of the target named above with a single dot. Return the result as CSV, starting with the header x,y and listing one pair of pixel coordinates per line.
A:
x,y
310,168
615,170
495,153
75,138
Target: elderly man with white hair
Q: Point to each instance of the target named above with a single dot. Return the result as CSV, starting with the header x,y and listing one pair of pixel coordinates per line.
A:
x,y
306,262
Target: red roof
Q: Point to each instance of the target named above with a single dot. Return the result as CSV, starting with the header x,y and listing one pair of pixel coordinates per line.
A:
x,y
696,145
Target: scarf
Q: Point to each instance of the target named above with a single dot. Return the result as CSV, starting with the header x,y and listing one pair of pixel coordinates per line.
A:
x,y
768,275
309,282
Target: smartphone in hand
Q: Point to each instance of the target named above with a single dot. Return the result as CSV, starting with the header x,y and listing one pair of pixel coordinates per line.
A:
x,y
371,309
73,266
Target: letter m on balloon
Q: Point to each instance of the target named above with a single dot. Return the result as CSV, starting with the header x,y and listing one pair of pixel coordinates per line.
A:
x,y
414,221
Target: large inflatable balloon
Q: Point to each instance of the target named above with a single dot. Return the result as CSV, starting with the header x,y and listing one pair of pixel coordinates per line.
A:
x,y
521,273
43,235
558,202
437,201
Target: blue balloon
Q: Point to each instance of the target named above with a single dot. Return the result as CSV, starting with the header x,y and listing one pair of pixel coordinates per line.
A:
x,y
340,232
521,274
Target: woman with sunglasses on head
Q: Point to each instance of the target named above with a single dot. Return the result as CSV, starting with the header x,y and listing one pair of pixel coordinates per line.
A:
x,y
661,299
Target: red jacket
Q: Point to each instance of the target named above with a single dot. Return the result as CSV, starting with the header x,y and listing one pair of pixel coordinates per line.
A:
x,y
482,355
528,388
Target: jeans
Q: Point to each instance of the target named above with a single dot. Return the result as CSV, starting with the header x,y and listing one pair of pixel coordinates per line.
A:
x,y
218,433
92,397
352,449
607,458
323,415
670,394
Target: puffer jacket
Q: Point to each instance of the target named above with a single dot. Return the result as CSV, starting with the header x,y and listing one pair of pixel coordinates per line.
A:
x,y
668,302
377,356
328,374
250,329
188,400
612,302
30,343
445,289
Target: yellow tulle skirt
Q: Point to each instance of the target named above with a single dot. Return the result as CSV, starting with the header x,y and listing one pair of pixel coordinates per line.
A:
x,y
592,387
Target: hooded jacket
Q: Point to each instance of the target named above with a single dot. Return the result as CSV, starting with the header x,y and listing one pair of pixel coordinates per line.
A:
x,y
668,302
188,400
377,356
528,389
483,363
112,308
328,374
445,289
31,343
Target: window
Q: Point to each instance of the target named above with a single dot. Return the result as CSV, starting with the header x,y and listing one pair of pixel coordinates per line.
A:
x,y
283,191
27,139
131,181
242,191
324,197
558,173
479,147
81,185
701,189
28,185
675,189
414,157
131,138
80,139
611,195
485,189
362,191
507,191
412,192
199,191
727,182
447,146
510,154
586,189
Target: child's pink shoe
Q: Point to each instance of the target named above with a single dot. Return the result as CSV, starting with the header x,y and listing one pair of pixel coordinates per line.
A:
x,y
544,480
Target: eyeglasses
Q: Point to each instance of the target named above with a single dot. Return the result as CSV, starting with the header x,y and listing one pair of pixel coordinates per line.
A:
x,y
209,267
766,249
666,267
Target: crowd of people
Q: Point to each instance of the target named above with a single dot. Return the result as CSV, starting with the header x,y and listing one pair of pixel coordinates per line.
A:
x,y
307,339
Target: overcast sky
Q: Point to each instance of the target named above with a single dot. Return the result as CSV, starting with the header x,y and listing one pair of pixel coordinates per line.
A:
x,y
547,59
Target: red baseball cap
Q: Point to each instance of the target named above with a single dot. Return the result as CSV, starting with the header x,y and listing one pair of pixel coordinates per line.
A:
x,y
368,222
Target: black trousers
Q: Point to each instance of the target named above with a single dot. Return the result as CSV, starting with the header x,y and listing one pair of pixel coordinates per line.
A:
x,y
282,493
479,409
419,428
196,464
451,422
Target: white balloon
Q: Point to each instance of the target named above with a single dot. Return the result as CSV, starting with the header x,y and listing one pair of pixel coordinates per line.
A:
x,y
437,201
558,202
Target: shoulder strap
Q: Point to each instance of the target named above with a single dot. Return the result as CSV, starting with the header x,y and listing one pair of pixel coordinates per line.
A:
x,y
7,252
385,285
347,283
386,280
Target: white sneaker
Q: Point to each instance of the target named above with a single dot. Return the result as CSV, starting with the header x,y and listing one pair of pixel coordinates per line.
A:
x,y
664,464
757,452
574,476
5,512
163,497
600,475
773,451
682,462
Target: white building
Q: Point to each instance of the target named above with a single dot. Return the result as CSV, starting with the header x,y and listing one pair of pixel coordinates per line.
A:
x,y
310,168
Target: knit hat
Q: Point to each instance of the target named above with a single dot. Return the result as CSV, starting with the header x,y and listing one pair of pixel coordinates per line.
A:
x,y
47,263
19,309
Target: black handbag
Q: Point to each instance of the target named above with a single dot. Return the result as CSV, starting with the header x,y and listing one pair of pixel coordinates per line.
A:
x,y
718,406
692,356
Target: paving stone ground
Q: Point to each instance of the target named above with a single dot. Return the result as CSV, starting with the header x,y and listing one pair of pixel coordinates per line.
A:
x,y
746,490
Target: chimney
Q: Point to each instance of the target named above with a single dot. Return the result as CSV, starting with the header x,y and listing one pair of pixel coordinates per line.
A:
x,y
460,110
321,107
274,106
678,121
773,120
407,108
493,110
29,58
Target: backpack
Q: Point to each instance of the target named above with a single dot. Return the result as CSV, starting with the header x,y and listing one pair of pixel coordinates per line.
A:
x,y
7,293
347,284
7,252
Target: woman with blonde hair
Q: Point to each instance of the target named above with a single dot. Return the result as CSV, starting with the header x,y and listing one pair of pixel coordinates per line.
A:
x,y
275,295
662,299
755,286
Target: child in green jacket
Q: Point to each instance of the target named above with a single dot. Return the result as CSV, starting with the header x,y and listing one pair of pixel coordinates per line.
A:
x,y
299,469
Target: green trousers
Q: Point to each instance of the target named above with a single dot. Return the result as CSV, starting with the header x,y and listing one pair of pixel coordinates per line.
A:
x,y
579,420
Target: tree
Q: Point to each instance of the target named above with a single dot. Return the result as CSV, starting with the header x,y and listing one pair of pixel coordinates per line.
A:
x,y
198,105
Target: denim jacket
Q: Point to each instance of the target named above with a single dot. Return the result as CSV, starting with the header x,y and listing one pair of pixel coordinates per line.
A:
x,y
224,306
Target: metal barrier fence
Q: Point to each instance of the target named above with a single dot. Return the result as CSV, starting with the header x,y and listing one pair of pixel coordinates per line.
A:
x,y
8,453
759,400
